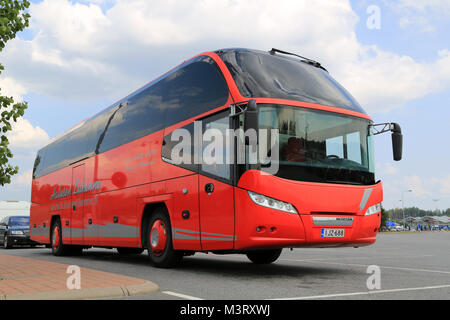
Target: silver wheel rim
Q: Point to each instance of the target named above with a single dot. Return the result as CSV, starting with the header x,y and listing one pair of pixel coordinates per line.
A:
x,y
154,238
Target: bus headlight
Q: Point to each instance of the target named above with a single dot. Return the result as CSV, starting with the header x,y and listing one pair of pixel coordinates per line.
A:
x,y
373,209
271,203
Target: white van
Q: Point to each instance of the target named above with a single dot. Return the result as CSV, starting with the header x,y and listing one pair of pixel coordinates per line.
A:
x,y
14,208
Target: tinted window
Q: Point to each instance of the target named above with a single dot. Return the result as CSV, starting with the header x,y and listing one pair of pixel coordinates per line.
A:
x,y
54,157
178,148
188,91
215,149
38,164
259,74
192,90
19,221
70,148
132,119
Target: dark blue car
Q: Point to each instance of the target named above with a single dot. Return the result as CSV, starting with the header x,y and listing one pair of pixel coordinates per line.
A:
x,y
15,230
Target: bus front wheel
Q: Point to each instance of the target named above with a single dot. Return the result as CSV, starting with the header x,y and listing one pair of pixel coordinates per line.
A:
x,y
264,256
159,239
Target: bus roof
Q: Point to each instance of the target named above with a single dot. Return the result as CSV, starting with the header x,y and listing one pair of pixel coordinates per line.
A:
x,y
282,75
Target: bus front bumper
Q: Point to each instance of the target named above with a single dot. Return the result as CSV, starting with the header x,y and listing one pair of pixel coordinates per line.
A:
x,y
261,227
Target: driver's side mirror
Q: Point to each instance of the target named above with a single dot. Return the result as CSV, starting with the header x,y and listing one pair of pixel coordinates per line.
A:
x,y
397,137
397,141
251,116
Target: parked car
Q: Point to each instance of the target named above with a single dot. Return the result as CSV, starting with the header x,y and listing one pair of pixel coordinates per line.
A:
x,y
399,228
15,230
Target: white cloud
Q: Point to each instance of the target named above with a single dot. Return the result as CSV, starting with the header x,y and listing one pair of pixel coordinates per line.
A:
x,y
383,81
24,135
416,184
23,178
420,15
443,185
386,168
424,191
9,87
81,52
437,6
20,183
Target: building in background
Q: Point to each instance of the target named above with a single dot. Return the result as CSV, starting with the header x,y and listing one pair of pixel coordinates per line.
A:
x,y
14,208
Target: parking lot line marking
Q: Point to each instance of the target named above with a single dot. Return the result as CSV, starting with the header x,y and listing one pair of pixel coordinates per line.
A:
x,y
386,267
363,293
180,295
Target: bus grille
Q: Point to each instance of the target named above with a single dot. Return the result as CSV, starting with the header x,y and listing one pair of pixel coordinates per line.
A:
x,y
333,213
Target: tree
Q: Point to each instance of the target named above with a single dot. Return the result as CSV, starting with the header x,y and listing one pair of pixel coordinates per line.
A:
x,y
13,19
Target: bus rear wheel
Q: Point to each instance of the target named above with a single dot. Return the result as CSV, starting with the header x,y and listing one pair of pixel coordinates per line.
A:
x,y
264,256
56,242
159,239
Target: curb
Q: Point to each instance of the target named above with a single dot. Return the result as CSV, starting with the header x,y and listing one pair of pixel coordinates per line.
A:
x,y
90,293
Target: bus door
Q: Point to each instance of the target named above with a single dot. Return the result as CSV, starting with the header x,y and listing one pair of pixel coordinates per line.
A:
x,y
77,215
216,193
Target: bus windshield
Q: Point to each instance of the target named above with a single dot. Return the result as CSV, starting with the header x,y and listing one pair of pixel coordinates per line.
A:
x,y
320,146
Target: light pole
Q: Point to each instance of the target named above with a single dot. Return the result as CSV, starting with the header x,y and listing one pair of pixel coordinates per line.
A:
x,y
403,207
437,210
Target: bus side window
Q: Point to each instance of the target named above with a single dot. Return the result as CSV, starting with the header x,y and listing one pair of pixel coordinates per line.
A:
x,y
38,164
184,93
215,151
196,88
178,148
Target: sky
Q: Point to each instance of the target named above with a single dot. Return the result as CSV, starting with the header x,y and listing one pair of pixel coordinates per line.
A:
x,y
78,57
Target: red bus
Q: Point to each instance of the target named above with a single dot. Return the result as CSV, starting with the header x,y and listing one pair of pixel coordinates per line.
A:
x,y
111,180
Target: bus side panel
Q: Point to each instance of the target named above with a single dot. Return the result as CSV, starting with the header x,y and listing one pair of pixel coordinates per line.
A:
x,y
119,226
38,214
52,193
84,229
127,165
134,164
121,171
38,232
184,215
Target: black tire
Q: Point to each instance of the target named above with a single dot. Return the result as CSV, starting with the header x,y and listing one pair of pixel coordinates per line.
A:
x,y
168,257
129,251
60,249
264,256
6,244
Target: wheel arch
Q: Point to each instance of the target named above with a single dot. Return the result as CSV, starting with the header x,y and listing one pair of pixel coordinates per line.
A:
x,y
54,218
147,209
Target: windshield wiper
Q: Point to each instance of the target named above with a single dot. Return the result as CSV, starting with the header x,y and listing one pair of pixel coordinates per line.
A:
x,y
345,182
304,59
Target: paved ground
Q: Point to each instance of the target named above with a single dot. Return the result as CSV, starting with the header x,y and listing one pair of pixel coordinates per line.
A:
x,y
413,266
25,278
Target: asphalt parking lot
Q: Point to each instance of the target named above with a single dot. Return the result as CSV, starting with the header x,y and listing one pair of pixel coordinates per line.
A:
x,y
411,265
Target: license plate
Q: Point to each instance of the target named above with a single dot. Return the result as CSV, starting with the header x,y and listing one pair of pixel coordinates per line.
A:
x,y
332,233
